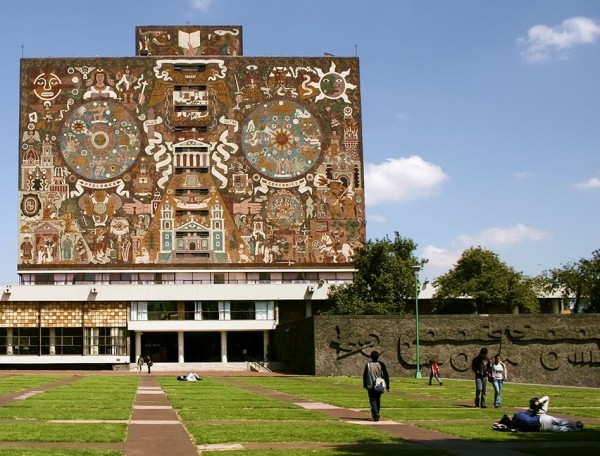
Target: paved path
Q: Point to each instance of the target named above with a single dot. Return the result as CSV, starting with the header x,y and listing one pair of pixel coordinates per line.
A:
x,y
155,429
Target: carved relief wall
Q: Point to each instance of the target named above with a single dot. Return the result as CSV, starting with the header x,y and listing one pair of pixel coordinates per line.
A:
x,y
154,161
562,349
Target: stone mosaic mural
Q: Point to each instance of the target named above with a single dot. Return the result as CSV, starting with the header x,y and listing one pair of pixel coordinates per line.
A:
x,y
188,40
164,160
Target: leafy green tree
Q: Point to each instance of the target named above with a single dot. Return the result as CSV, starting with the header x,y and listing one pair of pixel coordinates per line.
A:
x,y
481,283
577,280
384,281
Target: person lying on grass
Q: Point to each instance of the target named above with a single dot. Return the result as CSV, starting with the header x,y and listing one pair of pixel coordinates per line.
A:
x,y
535,419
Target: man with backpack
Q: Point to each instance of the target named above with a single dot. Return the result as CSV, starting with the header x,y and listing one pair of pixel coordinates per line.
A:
x,y
375,380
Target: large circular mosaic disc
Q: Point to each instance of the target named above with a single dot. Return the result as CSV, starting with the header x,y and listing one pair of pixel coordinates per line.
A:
x,y
282,139
100,140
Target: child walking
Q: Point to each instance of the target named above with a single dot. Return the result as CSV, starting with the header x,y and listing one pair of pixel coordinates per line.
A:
x,y
435,371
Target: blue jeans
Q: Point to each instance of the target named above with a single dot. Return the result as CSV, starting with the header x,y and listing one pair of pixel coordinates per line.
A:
x,y
480,390
497,392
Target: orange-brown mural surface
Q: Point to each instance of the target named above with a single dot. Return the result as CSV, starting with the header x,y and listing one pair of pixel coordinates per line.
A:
x,y
154,161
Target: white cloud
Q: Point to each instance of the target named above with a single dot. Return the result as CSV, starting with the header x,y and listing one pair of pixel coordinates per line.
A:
x,y
591,183
377,218
401,179
440,260
523,174
543,41
201,5
501,237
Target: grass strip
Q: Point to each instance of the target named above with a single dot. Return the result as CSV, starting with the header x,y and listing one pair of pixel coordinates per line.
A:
x,y
12,384
62,432
20,451
345,450
277,431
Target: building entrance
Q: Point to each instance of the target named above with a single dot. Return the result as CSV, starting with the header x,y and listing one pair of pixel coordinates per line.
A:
x,y
162,347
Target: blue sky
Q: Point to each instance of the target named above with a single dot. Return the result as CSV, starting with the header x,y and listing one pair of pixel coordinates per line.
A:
x,y
481,120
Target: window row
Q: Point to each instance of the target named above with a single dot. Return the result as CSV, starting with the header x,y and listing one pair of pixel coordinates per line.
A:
x,y
202,310
63,341
186,277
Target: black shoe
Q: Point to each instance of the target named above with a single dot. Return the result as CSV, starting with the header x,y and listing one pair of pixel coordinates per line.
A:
x,y
376,418
440,383
484,406
579,425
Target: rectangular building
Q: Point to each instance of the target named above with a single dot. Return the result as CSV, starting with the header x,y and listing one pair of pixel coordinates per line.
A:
x,y
181,202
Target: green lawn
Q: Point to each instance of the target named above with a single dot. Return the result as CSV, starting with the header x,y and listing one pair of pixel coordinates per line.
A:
x,y
246,410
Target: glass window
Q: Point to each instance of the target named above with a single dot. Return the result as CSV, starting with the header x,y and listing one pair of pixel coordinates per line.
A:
x,y
105,341
219,277
210,310
162,310
242,310
61,341
224,311
265,310
139,311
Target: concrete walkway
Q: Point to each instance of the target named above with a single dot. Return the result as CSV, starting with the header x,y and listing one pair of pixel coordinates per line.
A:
x,y
155,429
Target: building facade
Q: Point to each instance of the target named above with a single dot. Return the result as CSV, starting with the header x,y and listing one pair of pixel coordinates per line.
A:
x,y
182,202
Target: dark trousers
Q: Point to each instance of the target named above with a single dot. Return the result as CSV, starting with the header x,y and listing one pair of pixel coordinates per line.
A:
x,y
375,402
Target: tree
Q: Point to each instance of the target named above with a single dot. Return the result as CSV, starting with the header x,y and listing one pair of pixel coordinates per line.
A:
x,y
384,280
577,280
480,282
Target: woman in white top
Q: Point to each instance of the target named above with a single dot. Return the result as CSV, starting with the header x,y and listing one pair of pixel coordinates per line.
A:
x,y
498,375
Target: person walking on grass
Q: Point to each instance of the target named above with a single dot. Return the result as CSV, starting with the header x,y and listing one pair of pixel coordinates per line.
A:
x,y
480,367
375,381
434,372
498,373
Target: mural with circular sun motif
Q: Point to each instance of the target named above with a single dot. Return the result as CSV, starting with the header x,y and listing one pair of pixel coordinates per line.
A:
x,y
189,159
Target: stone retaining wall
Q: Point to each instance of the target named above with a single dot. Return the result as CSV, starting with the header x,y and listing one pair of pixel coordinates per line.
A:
x,y
545,349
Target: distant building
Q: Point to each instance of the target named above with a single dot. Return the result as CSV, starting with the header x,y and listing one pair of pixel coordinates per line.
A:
x,y
180,203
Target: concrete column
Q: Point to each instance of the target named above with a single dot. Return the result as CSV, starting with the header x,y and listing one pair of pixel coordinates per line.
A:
x,y
138,344
180,347
223,346
53,341
265,344
9,341
556,306
308,308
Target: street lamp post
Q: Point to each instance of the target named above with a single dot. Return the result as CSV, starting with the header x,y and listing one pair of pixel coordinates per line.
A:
x,y
417,269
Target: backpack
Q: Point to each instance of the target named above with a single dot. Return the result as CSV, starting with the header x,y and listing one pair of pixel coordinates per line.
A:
x,y
379,385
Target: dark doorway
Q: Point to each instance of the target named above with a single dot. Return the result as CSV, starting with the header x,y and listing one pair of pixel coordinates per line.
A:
x,y
243,346
202,347
162,347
